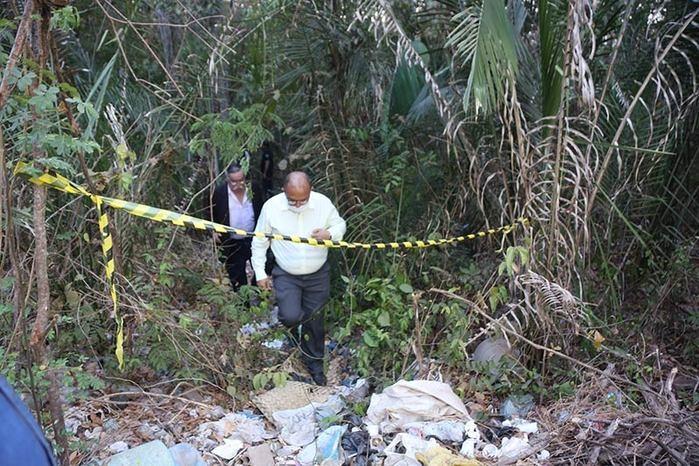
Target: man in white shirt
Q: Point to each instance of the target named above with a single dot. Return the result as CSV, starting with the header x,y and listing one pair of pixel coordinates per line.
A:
x,y
233,206
301,277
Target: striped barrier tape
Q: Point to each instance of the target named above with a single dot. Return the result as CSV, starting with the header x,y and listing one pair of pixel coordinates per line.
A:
x,y
62,183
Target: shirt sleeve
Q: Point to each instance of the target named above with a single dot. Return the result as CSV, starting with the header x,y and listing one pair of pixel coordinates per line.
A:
x,y
260,246
336,224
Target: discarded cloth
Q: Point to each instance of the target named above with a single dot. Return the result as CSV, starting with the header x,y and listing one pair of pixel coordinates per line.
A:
x,y
415,401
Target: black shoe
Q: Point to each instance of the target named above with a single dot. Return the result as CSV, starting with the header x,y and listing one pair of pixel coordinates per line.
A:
x,y
319,378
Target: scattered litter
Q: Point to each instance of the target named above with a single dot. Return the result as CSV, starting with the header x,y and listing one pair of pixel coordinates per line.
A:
x,y
415,401
216,413
329,443
446,431
468,448
286,451
290,396
490,452
358,391
118,447
184,454
250,329
522,425
153,453
372,430
93,434
356,445
261,455
229,449
512,447
472,431
273,344
300,434
246,427
517,405
299,426
491,350
411,445
412,423
440,456
110,425
327,447
74,417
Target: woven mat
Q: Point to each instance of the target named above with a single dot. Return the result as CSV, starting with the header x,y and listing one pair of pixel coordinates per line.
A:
x,y
291,396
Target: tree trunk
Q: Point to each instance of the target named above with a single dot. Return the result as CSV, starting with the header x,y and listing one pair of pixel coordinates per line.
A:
x,y
40,48
36,342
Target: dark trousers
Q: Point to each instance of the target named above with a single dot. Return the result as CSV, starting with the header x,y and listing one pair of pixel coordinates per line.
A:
x,y
301,299
237,252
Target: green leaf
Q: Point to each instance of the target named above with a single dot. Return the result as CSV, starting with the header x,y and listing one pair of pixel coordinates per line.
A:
x,y
485,38
72,297
57,164
384,319
405,288
6,283
69,90
231,390
279,379
125,180
25,81
370,340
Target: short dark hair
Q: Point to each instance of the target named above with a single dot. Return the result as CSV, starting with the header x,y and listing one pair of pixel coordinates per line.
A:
x,y
233,168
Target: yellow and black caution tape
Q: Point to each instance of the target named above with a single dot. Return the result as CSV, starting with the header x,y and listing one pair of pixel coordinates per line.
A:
x,y
62,183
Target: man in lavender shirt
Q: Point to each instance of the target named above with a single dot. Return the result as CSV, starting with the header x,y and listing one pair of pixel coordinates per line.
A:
x,y
236,203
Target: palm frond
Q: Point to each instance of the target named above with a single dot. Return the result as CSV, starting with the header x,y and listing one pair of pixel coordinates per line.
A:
x,y
484,38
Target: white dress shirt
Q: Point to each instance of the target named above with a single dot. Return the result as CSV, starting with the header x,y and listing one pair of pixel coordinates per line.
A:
x,y
240,214
295,258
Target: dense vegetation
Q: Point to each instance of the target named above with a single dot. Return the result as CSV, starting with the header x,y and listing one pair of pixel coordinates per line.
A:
x,y
421,119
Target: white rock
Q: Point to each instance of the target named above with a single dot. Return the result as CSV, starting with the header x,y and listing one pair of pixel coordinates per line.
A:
x,y
118,447
543,455
229,449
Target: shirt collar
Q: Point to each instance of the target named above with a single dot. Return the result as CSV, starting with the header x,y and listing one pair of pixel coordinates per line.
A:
x,y
231,194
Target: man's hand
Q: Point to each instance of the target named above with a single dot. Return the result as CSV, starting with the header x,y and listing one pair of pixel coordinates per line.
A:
x,y
320,234
265,284
217,237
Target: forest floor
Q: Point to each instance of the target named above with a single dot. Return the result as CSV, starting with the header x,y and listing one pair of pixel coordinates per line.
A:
x,y
608,420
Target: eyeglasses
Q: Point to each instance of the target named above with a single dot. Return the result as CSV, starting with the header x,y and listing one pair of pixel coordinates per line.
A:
x,y
297,203
236,183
